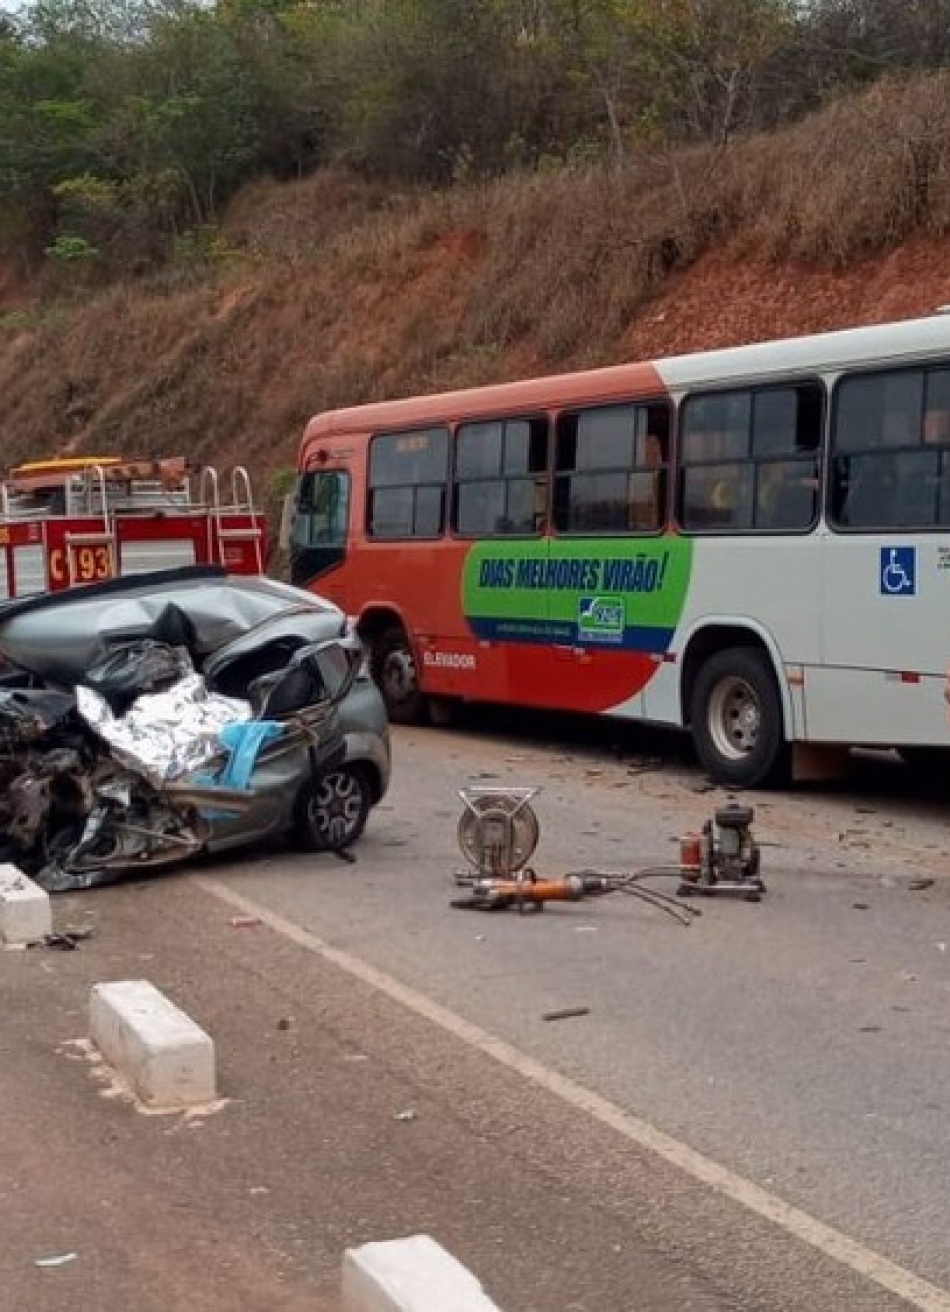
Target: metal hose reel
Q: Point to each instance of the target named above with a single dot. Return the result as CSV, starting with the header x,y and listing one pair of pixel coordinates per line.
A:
x,y
498,830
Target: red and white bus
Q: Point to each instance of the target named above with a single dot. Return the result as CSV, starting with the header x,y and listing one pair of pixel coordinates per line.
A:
x,y
751,543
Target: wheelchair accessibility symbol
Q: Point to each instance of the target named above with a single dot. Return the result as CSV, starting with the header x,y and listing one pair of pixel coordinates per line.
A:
x,y
898,573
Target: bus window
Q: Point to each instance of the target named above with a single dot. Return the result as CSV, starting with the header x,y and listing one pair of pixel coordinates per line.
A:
x,y
786,494
937,408
878,411
751,459
716,427
611,469
407,474
500,485
891,451
787,425
717,496
786,421
714,494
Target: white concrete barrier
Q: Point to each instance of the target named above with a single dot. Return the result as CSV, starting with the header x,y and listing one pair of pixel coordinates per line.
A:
x,y
24,908
409,1275
166,1058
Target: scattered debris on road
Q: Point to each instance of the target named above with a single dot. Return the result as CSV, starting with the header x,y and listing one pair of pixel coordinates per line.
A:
x,y
854,838
566,1013
67,940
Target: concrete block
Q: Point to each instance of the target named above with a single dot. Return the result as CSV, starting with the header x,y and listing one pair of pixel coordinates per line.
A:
x,y
24,908
166,1058
409,1275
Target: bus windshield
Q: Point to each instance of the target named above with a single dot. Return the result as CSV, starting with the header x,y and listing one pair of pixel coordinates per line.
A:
x,y
318,530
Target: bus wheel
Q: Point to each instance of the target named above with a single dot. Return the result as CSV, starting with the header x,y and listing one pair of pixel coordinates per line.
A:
x,y
736,717
394,669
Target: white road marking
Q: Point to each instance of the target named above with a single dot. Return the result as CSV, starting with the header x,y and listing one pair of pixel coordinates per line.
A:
x,y
864,1261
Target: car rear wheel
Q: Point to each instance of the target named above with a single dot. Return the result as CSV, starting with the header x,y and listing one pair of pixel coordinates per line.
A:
x,y
332,812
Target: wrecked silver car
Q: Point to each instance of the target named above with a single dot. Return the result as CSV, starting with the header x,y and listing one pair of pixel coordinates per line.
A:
x,y
153,717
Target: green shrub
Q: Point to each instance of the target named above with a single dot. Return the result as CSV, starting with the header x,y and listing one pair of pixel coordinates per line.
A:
x,y
72,251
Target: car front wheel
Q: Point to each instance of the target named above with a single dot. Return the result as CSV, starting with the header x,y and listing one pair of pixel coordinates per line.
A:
x,y
332,813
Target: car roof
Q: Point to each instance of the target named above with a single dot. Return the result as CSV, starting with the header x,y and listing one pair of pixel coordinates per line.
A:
x,y
124,586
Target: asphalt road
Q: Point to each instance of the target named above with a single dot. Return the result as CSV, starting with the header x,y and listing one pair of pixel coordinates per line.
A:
x,y
801,1043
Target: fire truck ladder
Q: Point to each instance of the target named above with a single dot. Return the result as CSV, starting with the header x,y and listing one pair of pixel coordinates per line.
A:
x,y
242,505
94,491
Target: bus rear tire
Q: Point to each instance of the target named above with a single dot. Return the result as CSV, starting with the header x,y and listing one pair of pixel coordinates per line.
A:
x,y
393,665
736,718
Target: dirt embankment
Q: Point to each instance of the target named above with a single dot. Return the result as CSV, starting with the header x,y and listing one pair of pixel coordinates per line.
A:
x,y
231,371
725,301
330,292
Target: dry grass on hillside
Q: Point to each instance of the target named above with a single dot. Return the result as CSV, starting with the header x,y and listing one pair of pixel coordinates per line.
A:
x,y
336,292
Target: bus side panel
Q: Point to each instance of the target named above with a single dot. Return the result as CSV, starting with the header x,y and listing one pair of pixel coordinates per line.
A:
x,y
420,584
875,708
571,679
776,579
465,652
456,661
890,595
886,641
579,623
660,701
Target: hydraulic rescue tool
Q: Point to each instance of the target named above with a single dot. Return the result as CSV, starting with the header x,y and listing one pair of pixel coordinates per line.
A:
x,y
498,832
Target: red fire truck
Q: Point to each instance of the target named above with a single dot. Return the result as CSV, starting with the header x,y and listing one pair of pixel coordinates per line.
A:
x,y
65,522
